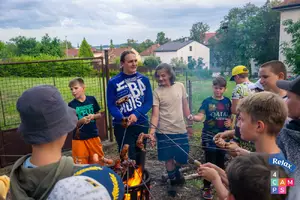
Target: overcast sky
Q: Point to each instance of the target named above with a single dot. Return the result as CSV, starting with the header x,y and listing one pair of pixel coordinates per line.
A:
x,y
101,20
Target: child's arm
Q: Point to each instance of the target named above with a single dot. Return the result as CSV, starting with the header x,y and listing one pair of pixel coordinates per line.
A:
x,y
199,117
220,171
111,101
154,123
210,174
236,96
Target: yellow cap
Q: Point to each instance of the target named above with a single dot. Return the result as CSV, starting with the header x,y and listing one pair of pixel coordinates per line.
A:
x,y
240,69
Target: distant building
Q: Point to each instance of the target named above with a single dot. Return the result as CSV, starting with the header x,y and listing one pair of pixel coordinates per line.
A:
x,y
289,9
184,50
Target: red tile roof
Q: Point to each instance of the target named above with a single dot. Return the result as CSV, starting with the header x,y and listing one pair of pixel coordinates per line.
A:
x,y
150,50
288,4
72,52
207,37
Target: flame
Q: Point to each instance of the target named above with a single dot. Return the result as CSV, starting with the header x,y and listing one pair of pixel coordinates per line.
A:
x,y
135,180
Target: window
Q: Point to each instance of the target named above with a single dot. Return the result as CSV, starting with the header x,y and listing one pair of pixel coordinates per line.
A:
x,y
190,58
191,48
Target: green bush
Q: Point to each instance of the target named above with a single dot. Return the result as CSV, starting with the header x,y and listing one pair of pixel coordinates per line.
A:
x,y
47,69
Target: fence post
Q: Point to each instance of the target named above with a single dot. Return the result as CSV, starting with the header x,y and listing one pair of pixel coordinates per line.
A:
x,y
53,75
190,95
111,138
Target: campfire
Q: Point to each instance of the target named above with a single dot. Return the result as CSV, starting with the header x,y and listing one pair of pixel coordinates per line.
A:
x,y
135,178
138,185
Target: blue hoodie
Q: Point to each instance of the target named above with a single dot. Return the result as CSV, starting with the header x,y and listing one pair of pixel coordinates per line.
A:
x,y
137,88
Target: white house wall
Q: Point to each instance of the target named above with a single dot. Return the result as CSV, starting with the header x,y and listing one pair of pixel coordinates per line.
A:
x,y
166,57
284,37
198,50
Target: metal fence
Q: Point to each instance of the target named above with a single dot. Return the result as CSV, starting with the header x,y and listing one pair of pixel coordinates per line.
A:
x,y
15,78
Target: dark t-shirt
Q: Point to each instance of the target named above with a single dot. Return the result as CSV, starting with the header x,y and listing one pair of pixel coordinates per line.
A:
x,y
216,113
89,106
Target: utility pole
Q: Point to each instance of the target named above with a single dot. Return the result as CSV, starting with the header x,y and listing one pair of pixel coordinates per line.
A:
x,y
66,47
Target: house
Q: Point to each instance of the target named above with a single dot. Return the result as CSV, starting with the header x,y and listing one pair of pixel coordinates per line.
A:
x,y
289,9
149,51
116,52
73,53
207,37
184,50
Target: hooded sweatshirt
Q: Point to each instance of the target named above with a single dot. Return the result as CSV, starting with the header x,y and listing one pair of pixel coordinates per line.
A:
x,y
36,183
289,142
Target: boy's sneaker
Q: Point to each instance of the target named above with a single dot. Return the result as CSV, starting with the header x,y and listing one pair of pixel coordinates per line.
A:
x,y
207,194
171,190
178,181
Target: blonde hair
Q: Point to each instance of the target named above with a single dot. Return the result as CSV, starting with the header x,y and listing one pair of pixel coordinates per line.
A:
x,y
266,107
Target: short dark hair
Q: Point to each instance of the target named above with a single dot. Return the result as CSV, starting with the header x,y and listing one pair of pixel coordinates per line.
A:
x,y
169,70
124,54
249,177
276,67
75,81
220,81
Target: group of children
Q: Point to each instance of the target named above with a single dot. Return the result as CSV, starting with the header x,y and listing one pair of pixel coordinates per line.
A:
x,y
46,121
267,122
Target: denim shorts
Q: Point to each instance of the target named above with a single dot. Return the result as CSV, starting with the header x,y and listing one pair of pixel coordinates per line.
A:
x,y
167,150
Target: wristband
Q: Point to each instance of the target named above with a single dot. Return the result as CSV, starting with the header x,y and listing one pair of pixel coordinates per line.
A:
x,y
189,126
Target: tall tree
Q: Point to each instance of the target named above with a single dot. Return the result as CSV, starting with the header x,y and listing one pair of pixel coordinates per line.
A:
x,y
111,44
198,31
101,47
234,45
144,45
85,49
292,50
161,38
264,29
26,46
51,46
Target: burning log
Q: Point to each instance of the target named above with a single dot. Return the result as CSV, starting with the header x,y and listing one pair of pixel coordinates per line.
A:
x,y
140,141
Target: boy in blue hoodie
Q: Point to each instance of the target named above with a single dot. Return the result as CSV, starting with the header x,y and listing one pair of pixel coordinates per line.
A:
x,y
136,88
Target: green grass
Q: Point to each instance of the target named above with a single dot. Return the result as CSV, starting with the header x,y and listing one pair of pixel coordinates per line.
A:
x,y
12,88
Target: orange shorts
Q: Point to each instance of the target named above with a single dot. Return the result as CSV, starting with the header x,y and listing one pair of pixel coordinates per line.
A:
x,y
83,150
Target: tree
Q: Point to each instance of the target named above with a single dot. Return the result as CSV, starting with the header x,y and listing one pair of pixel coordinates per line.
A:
x,y
63,45
234,45
26,46
292,50
198,31
192,63
51,46
265,22
161,38
144,45
111,44
178,63
101,47
85,49
117,61
152,61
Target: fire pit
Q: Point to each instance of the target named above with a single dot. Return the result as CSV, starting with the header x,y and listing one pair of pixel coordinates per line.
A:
x,y
137,189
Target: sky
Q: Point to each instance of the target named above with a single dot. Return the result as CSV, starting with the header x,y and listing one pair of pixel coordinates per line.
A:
x,y
101,20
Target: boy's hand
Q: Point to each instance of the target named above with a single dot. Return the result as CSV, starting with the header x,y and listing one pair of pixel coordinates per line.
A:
x,y
91,117
242,152
209,174
131,119
190,117
190,131
228,123
152,140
